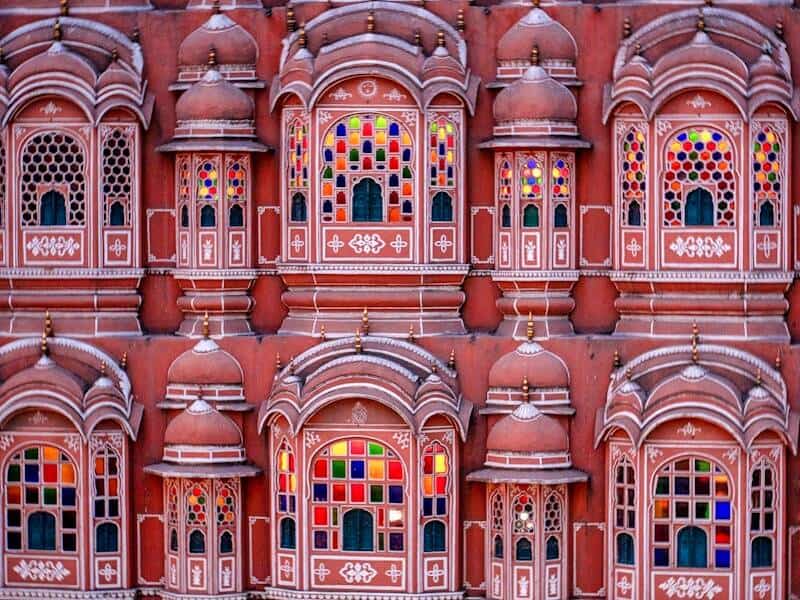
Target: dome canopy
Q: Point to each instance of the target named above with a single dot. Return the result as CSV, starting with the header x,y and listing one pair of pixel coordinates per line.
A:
x,y
201,425
537,28
535,97
205,364
57,59
213,98
233,45
530,361
528,431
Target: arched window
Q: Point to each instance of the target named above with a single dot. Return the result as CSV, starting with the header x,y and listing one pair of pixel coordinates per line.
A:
x,y
208,216
106,538
552,548
184,216
766,214
225,503
692,548
434,536
117,172
560,219
41,531
299,211
498,517
236,190
287,537
530,216
692,495
505,218
699,207
53,209
625,496
625,549
523,550
116,215
497,551
197,542
362,472
634,214
367,201
236,216
761,555
41,495
435,472
286,480
561,187
768,163
297,157
226,543
633,175
553,525
442,207
358,531
173,540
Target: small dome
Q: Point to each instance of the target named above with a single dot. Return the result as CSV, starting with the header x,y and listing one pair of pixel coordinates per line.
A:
x,y
201,425
205,364
535,97
233,45
701,50
765,67
57,59
46,371
527,430
115,74
213,98
537,28
542,369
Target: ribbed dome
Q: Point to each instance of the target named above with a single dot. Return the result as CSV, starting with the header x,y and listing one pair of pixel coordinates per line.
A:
x,y
542,369
201,425
233,45
527,430
213,98
57,59
205,364
537,28
702,50
535,97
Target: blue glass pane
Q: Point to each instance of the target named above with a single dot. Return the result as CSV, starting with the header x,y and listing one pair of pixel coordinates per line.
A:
x,y
396,542
341,129
441,506
394,129
321,540
722,558
341,181
427,507
394,181
292,504
357,469
320,492
366,147
407,154
395,494
68,496
722,510
661,557
282,503
32,473
328,155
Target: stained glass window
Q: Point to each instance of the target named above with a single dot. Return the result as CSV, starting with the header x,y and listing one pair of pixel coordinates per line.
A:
x,y
442,147
699,158
561,187
225,510
633,176
297,158
691,492
553,526
762,514
435,471
106,499
184,189
768,169
41,500
208,181
117,169
236,190
497,517
363,474
287,480
373,145
624,510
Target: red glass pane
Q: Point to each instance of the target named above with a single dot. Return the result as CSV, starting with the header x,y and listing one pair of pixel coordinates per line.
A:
x,y
395,470
291,463
358,447
283,483
341,147
427,465
321,468
381,518
339,492
320,515
394,163
441,484
366,163
367,129
357,492
394,146
50,473
335,544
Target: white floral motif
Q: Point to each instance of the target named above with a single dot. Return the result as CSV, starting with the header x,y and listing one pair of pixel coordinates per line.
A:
x,y
107,572
663,126
40,570
561,249
653,453
52,246
324,116
394,95
236,247
73,441
698,102
689,430
634,247
340,94
767,245
762,588
368,88
700,247
356,572
443,244
208,249
394,573
321,572
403,439
690,587
448,436
297,243
336,243
50,109
732,454
359,414
311,439
398,243
367,243
624,586
227,575
734,126
5,441
524,585
38,418
117,248
409,117
435,573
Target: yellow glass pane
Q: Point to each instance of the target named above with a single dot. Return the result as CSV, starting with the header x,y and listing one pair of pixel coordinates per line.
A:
x,y
440,463
339,449
537,172
292,483
427,485
723,146
99,466
442,133
449,128
376,469
771,137
526,189
380,137
50,454
675,147
556,172
640,137
212,174
67,473
705,136
283,461
661,509
329,140
406,139
760,156
192,500
355,138
450,157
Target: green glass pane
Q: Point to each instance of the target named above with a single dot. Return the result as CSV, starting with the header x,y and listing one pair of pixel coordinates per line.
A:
x,y
334,516
376,493
380,122
702,510
375,449
327,173
353,155
13,473
434,128
32,453
406,173
662,485
50,496
757,147
201,500
693,136
702,466
380,155
693,175
776,147
355,123
339,469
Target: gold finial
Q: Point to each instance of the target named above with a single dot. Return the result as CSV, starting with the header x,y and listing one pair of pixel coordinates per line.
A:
x,y
701,22
417,38
451,360
212,57
535,55
778,361
530,330
695,342
123,362
526,388
440,39
779,29
64,7
291,366
627,27
460,23
365,321
434,368
357,344
411,334
291,22
206,326
57,31
303,41
278,365
758,376
48,323
617,361
629,374
114,54
45,350
323,332
371,21
216,8
102,368
135,34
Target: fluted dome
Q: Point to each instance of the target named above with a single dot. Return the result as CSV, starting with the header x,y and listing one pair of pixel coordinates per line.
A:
x,y
57,59
527,430
535,97
530,361
233,45
213,98
205,364
701,50
201,425
537,28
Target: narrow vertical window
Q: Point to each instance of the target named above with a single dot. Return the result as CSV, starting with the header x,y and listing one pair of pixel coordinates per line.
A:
x,y
633,166
117,174
768,164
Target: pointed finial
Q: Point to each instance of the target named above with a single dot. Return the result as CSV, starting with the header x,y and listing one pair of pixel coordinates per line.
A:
x,y
535,55
123,362
617,360
102,368
45,350
64,7
206,326
48,323
779,29
758,377
278,365
451,360
434,368
778,361
695,342
365,321
627,27
291,22
411,334
526,388
701,22
57,31
371,21
357,344
638,49
212,57
530,329
440,39
460,23
323,332
291,366
114,54
303,41
216,8
417,38
629,374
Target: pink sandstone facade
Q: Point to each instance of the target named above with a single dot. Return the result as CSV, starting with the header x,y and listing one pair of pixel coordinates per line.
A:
x,y
399,300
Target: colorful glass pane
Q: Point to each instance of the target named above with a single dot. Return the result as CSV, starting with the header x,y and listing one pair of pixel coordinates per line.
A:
x,y
207,181
768,160
531,178
633,175
442,151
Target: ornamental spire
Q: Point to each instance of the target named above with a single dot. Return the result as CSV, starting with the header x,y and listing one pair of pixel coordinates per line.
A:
x,y
206,326
695,342
530,330
365,321
526,388
212,57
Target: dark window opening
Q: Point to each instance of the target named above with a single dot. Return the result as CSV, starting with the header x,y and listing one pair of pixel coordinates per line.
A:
x,y
226,543
530,216
116,215
761,555
442,207
524,550
766,214
692,548
41,531
236,216
197,542
634,214
560,216
552,550
434,536
287,541
299,211
184,216
173,541
367,201
505,218
699,207
624,549
498,547
52,209
357,534
208,216
106,538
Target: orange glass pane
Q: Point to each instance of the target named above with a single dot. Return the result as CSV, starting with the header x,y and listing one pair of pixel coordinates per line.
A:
x,y
340,163
380,137
427,485
406,139
50,454
394,214
14,493
341,214
661,509
113,486
292,483
406,188
67,473
99,466
355,138
376,469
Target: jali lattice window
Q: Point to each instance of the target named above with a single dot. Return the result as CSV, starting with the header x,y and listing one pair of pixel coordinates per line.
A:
x,y
624,511
523,517
762,515
505,191
768,169
225,509
41,501
106,495
117,184
497,520
561,188
297,164
633,176
52,181
692,515
552,526
364,474
236,190
442,160
196,516
374,152
207,182
531,188
699,183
